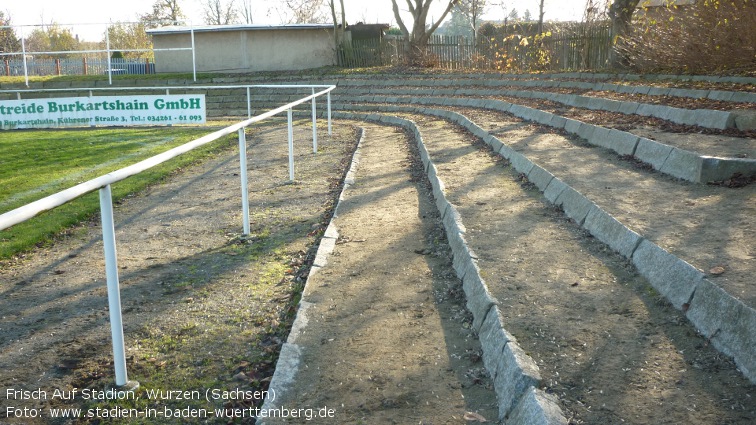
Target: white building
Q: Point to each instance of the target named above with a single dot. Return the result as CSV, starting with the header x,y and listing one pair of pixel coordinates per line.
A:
x,y
244,48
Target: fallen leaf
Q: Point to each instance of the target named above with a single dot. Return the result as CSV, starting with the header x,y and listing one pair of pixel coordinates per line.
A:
x,y
241,376
472,416
717,270
69,364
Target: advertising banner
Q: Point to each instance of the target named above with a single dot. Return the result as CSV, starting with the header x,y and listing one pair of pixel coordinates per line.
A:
x,y
102,111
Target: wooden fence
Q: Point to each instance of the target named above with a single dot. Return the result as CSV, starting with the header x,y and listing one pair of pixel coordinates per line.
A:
x,y
581,48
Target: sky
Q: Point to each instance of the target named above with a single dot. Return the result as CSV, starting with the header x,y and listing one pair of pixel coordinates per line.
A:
x,y
68,13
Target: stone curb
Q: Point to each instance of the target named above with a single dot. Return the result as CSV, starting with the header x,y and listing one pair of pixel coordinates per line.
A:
x,y
289,358
707,118
514,373
679,163
484,80
704,118
730,325
599,78
536,407
674,278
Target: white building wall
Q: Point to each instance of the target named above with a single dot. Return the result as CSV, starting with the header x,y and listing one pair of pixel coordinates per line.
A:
x,y
245,50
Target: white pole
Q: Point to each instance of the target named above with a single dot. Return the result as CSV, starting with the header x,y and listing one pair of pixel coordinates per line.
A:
x,y
314,125
291,145
194,56
328,96
90,99
23,52
249,104
107,48
114,296
243,174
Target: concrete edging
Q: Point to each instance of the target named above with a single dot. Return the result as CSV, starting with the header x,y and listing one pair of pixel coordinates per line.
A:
x,y
675,279
678,281
484,80
514,373
289,359
679,163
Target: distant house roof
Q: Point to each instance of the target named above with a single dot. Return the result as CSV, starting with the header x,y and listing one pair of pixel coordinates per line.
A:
x,y
368,27
244,27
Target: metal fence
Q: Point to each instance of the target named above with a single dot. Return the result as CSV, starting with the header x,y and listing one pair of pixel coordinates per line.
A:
x,y
76,66
580,48
26,62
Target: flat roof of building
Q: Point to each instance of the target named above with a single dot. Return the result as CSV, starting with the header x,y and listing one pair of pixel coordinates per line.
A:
x,y
178,29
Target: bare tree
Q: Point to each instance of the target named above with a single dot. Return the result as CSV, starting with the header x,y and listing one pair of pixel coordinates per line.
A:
x,y
596,10
303,11
472,10
220,12
540,18
621,14
164,12
332,5
417,39
245,10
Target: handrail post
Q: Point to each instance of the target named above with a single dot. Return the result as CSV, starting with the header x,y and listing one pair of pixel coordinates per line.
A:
x,y
243,174
23,52
114,295
194,55
291,144
314,125
249,104
328,96
107,47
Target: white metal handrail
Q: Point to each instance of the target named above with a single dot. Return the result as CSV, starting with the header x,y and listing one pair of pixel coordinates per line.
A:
x,y
28,211
103,183
192,87
18,92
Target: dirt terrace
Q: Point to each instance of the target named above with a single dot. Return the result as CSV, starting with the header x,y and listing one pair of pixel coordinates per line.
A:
x,y
608,346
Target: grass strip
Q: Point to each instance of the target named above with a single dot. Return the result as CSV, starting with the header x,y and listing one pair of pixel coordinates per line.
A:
x,y
38,163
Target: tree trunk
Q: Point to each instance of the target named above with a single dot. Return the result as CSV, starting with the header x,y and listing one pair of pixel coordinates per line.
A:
x,y
540,18
335,25
621,14
343,16
417,40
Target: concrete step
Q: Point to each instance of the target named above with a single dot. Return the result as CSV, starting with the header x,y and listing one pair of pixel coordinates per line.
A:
x,y
493,255
683,285
372,302
677,162
705,118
